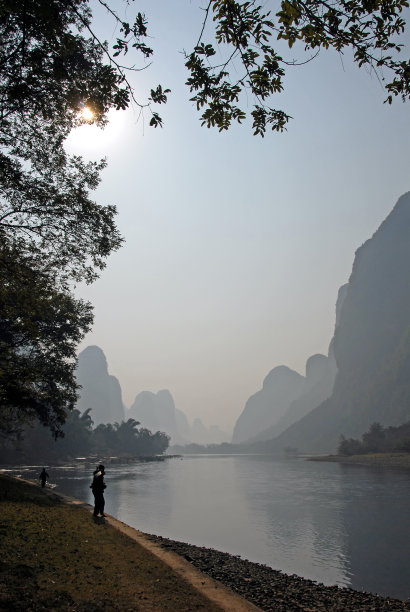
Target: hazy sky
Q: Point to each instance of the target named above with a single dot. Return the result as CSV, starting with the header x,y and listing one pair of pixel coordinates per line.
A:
x,y
236,245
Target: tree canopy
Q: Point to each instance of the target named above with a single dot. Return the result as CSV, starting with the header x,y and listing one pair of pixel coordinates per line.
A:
x,y
51,231
41,324
378,439
123,440
249,38
53,60
46,72
40,327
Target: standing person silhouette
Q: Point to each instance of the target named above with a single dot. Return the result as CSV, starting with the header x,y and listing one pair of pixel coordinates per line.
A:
x,y
43,477
98,485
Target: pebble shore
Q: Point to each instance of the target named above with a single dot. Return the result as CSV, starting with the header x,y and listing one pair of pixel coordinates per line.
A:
x,y
274,591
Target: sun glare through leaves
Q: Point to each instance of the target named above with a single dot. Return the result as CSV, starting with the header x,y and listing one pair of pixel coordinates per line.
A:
x,y
89,137
87,114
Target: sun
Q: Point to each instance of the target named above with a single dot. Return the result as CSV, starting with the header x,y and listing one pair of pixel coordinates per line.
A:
x,y
87,114
88,137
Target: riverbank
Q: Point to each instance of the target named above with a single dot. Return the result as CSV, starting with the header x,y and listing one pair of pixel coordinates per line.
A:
x,y
274,591
55,557
382,460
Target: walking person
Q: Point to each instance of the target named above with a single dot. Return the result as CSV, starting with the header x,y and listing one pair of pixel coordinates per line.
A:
x,y
98,485
43,477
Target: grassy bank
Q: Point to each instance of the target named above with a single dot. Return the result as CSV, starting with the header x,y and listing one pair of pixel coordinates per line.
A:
x,y
54,556
388,460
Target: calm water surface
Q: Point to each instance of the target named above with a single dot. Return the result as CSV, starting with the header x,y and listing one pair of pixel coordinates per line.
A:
x,y
334,523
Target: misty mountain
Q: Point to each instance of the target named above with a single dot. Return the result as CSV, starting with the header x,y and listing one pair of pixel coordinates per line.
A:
x,y
183,426
157,412
310,391
154,411
100,391
266,405
371,344
318,386
201,434
263,409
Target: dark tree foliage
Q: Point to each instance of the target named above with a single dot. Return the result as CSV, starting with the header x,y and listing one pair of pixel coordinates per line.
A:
x,y
247,37
378,440
51,231
40,327
52,65
242,47
126,438
47,72
123,440
77,435
36,445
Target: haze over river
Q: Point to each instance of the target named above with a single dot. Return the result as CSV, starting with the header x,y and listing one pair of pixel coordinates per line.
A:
x,y
333,523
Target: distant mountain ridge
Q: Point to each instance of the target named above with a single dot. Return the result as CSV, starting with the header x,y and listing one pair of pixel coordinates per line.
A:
x,y
263,409
155,411
318,386
371,345
318,383
285,398
100,391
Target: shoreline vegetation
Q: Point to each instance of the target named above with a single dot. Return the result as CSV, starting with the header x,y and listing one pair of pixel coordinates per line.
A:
x,y
54,556
125,439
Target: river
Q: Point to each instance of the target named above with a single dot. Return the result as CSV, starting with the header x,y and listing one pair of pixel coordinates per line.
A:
x,y
334,523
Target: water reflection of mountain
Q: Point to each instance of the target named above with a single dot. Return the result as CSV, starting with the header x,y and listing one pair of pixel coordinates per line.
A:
x,y
376,521
338,524
298,509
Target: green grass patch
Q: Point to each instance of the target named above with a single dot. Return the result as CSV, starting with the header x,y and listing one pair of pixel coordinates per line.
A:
x,y
54,556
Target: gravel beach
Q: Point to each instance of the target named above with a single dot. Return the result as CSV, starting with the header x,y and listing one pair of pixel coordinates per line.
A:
x,y
272,590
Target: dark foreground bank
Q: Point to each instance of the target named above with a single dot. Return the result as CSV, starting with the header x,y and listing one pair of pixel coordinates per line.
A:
x,y
274,591
55,557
